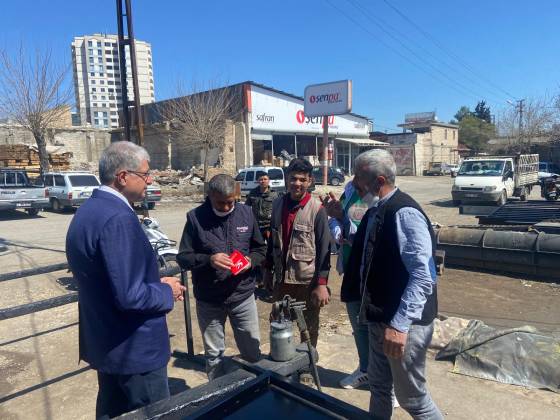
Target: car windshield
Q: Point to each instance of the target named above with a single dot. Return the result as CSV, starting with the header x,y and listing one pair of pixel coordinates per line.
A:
x,y
83,181
482,168
275,174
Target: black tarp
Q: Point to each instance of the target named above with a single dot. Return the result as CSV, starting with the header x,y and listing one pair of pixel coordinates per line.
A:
x,y
520,356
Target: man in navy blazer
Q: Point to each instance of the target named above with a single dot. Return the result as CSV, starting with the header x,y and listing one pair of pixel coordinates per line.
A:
x,y
122,300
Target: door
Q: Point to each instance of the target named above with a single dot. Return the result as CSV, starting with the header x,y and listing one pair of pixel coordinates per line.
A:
x,y
241,179
276,177
509,181
58,187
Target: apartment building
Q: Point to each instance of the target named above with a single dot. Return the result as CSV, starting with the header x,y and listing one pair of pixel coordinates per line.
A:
x,y
97,78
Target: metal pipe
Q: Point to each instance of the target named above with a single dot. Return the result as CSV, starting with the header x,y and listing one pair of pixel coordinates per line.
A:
x,y
534,253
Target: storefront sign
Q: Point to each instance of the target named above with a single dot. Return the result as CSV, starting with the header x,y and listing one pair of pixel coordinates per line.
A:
x,y
275,112
334,98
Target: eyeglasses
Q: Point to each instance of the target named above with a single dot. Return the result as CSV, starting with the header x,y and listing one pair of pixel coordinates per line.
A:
x,y
143,175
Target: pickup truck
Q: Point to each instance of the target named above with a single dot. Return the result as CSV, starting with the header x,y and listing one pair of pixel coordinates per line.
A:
x,y
17,192
494,179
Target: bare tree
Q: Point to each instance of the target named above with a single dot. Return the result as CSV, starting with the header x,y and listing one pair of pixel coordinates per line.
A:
x,y
200,116
538,118
32,93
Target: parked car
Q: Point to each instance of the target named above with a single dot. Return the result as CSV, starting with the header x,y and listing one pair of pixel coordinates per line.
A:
x,y
18,192
437,168
548,169
335,176
69,189
248,178
72,188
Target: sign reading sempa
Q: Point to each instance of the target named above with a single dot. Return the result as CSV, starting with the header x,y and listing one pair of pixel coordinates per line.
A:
x,y
334,98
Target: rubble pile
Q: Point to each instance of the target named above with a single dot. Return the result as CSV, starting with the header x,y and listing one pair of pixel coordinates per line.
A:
x,y
176,183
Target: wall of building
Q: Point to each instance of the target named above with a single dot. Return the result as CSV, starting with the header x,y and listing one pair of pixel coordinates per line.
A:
x,y
171,146
86,144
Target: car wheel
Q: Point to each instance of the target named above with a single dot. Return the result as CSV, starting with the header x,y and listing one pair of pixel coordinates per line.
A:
x,y
32,212
151,205
335,182
56,206
523,195
503,198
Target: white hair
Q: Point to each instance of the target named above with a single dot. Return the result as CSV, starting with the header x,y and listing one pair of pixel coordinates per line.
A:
x,y
222,184
377,162
118,156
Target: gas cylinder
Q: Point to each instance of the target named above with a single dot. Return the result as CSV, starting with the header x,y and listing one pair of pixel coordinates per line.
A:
x,y
282,345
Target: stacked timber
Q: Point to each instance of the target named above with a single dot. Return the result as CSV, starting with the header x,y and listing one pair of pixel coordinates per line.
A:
x,y
22,156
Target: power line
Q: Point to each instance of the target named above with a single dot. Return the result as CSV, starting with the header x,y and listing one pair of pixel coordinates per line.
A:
x,y
448,51
376,21
404,57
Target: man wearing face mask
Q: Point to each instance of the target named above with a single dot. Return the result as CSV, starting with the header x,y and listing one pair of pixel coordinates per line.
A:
x,y
396,270
213,231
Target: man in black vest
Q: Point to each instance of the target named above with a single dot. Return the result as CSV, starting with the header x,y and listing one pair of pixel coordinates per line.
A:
x,y
396,270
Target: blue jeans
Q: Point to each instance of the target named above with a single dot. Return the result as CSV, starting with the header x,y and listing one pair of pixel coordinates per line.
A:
x,y
244,320
360,332
119,394
406,374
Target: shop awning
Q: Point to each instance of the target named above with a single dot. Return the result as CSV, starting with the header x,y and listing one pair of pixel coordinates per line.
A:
x,y
363,142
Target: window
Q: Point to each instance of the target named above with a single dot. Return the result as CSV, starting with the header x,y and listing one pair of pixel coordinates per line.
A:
x,y
109,59
107,44
92,74
250,176
110,82
90,44
113,112
107,51
102,89
240,176
99,52
109,67
94,97
105,122
446,134
275,174
114,120
93,82
94,104
101,74
105,114
94,89
48,180
117,75
112,97
59,181
91,60
118,90
96,121
100,60
117,82
102,82
113,105
109,89
90,51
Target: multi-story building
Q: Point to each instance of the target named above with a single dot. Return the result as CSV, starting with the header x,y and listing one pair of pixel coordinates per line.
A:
x,y
97,78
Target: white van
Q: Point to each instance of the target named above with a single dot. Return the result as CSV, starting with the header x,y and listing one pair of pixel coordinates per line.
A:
x,y
248,178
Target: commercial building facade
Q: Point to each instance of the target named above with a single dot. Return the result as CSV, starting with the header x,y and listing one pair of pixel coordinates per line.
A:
x,y
269,128
97,78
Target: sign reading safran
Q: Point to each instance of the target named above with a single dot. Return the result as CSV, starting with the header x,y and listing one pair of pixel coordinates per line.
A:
x,y
334,98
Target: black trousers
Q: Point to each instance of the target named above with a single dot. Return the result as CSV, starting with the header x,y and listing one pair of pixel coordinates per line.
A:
x,y
119,394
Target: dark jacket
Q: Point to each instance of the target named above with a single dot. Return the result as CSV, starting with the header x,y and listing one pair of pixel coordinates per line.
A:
x,y
261,203
385,272
122,302
206,234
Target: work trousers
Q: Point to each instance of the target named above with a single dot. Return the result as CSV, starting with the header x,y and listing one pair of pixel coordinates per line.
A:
x,y
244,320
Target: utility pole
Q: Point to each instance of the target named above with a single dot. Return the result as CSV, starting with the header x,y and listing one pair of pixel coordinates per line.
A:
x,y
129,40
520,105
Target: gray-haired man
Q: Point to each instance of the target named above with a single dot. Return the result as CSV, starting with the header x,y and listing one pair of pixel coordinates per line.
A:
x,y
399,297
213,232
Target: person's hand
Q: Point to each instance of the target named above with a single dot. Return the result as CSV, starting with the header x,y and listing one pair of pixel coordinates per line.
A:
x,y
176,287
333,206
248,265
393,343
220,261
320,296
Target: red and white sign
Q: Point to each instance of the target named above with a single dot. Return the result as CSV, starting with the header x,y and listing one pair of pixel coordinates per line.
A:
x,y
333,98
277,112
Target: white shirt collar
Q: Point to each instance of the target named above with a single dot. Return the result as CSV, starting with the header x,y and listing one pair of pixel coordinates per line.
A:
x,y
116,194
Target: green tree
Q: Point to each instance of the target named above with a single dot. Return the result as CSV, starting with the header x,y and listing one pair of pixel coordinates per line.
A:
x,y
475,132
482,112
463,112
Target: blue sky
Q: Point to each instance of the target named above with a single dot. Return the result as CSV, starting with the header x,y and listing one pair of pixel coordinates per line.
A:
x,y
510,47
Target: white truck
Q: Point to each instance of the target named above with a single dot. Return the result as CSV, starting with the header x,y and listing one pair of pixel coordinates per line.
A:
x,y
494,179
17,192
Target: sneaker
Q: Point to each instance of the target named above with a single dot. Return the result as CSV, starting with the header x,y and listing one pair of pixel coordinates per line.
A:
x,y
395,402
355,380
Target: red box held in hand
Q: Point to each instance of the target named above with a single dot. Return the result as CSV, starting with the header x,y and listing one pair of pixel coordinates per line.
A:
x,y
239,262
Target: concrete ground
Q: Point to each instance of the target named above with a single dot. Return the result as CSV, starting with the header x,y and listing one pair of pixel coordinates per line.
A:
x,y
41,376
